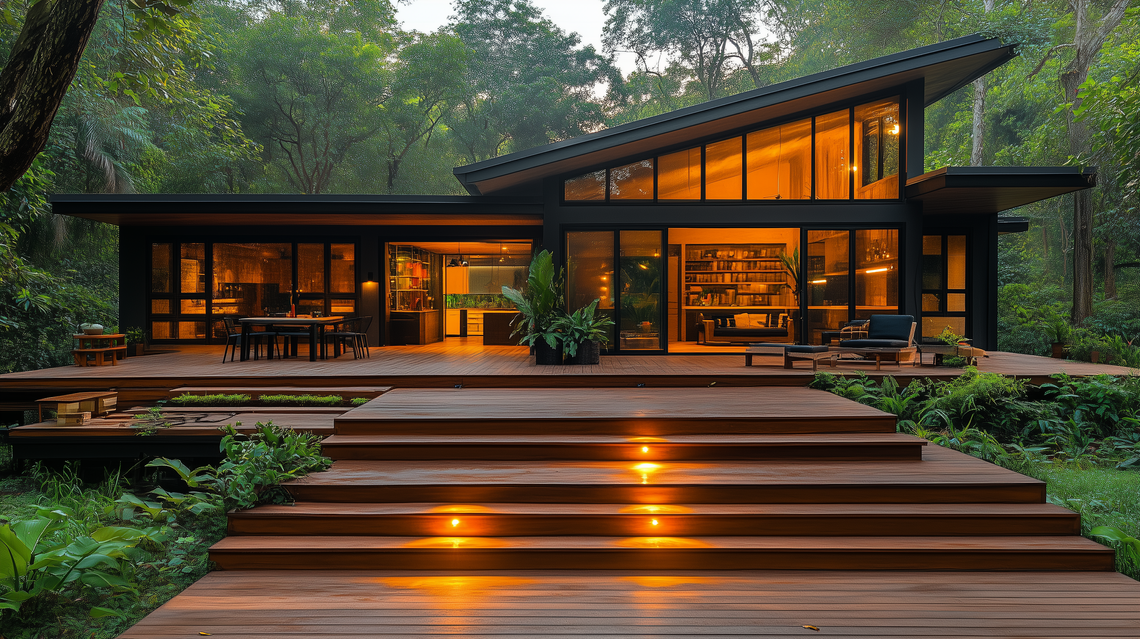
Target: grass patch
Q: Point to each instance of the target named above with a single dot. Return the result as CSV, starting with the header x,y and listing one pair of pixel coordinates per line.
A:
x,y
222,399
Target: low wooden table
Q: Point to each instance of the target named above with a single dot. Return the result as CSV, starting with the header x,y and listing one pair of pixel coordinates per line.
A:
x,y
99,347
941,351
316,326
830,356
878,354
788,354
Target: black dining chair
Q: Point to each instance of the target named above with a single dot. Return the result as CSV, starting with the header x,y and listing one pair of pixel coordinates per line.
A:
x,y
292,335
347,333
233,340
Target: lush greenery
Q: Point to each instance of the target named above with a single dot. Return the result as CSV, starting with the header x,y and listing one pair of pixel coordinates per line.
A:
x,y
540,303
331,96
1081,436
238,399
582,326
91,560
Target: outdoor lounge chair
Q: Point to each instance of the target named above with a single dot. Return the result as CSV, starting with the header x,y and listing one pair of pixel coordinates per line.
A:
x,y
889,337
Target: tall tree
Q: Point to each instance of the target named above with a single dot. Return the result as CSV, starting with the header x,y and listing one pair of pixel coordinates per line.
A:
x,y
529,82
310,95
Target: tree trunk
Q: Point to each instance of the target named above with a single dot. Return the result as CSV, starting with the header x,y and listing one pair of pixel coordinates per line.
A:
x,y
1110,270
1088,39
979,128
43,63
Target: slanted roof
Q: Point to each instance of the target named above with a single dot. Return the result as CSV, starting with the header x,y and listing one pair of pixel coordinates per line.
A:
x,y
944,67
300,210
992,189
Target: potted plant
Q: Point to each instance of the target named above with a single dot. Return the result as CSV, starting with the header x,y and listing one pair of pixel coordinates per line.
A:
x,y
1058,330
539,305
583,334
136,341
791,264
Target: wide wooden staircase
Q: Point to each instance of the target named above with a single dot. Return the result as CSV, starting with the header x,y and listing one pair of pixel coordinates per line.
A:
x,y
650,480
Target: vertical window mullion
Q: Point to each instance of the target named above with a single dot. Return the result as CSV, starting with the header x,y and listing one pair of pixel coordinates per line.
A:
x,y
851,153
704,172
813,158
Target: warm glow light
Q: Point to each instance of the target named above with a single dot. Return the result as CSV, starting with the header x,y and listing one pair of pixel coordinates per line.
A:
x,y
819,281
647,439
895,131
877,270
454,522
646,467
654,522
667,509
661,542
462,508
645,449
854,168
643,267
605,277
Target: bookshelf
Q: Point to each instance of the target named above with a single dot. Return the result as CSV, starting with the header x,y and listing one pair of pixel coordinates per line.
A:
x,y
734,276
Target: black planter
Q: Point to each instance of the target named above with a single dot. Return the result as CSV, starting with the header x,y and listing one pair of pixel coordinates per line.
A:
x,y
588,353
544,355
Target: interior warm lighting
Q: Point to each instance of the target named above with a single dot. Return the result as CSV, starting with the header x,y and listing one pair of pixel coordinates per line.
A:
x,y
454,522
645,449
605,278
895,130
877,270
657,509
854,168
371,277
643,267
819,281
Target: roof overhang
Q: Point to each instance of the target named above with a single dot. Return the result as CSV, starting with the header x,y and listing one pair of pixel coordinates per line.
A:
x,y
300,210
943,67
956,190
1012,224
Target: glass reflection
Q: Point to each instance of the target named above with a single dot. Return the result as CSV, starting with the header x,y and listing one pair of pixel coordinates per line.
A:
x,y
832,145
723,170
877,133
632,181
876,272
640,286
679,175
779,162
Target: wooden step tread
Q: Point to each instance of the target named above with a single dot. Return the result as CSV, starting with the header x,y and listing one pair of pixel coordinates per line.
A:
x,y
257,391
662,552
636,411
943,476
316,518
625,604
848,446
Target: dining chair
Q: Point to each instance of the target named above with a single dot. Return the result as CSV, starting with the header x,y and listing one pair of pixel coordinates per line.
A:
x,y
346,333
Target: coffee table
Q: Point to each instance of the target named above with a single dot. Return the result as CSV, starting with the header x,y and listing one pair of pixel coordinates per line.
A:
x,y
830,356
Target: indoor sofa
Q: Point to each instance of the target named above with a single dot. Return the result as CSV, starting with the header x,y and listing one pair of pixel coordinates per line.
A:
x,y
744,328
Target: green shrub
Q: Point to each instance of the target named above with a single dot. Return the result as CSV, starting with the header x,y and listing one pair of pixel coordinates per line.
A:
x,y
220,399
1105,405
255,466
302,400
360,401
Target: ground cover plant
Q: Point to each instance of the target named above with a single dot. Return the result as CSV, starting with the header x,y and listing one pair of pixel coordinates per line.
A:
x,y
90,560
223,399
1079,435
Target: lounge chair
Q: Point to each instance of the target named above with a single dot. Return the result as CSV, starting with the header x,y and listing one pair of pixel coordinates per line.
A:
x,y
889,337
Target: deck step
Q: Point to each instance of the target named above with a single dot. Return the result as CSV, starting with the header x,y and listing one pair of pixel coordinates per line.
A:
x,y
255,392
619,520
660,553
836,447
638,412
944,476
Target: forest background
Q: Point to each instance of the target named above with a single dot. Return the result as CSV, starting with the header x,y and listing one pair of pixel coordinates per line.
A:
x,y
333,96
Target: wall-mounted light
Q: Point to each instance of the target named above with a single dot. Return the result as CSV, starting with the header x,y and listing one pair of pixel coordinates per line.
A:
x,y
818,282
877,270
371,277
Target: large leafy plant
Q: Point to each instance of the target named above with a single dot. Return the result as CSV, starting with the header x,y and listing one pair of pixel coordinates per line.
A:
x,y
539,303
32,561
582,326
255,466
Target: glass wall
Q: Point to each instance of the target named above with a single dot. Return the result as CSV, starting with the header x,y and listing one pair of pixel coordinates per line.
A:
x,y
876,272
779,162
828,283
877,129
241,279
590,272
640,290
944,290
774,163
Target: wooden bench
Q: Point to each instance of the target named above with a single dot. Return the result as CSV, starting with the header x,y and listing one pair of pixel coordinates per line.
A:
x,y
98,347
97,403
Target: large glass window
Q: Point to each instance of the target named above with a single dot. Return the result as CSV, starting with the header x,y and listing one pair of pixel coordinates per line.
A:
x,y
828,280
632,181
590,271
877,133
944,289
679,175
640,287
779,162
253,279
591,186
832,146
723,170
876,272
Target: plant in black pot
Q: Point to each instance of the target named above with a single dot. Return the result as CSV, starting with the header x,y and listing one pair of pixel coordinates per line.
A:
x,y
540,306
583,334
136,341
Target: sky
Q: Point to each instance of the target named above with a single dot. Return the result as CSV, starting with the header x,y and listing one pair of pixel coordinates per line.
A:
x,y
582,16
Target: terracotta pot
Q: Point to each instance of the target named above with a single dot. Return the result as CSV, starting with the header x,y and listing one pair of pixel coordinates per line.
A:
x,y
1058,350
1095,357
588,353
546,356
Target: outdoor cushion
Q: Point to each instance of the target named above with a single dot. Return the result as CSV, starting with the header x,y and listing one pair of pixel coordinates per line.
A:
x,y
893,327
874,343
751,332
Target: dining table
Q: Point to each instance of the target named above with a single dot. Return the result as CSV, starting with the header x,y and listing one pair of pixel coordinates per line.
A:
x,y
316,325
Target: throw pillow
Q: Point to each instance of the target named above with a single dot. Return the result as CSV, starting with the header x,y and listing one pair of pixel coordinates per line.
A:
x,y
757,320
741,320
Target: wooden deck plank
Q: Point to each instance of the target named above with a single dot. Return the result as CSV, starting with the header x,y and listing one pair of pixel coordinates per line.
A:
x,y
575,604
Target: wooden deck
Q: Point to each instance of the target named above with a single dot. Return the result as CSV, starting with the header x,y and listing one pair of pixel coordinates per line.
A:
x,y
613,604
469,364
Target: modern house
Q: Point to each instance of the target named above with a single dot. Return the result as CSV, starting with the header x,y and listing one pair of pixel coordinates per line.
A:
x,y
799,206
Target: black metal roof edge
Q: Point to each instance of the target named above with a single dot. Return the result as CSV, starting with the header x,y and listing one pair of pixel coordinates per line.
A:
x,y
283,198
706,108
1012,224
1011,170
